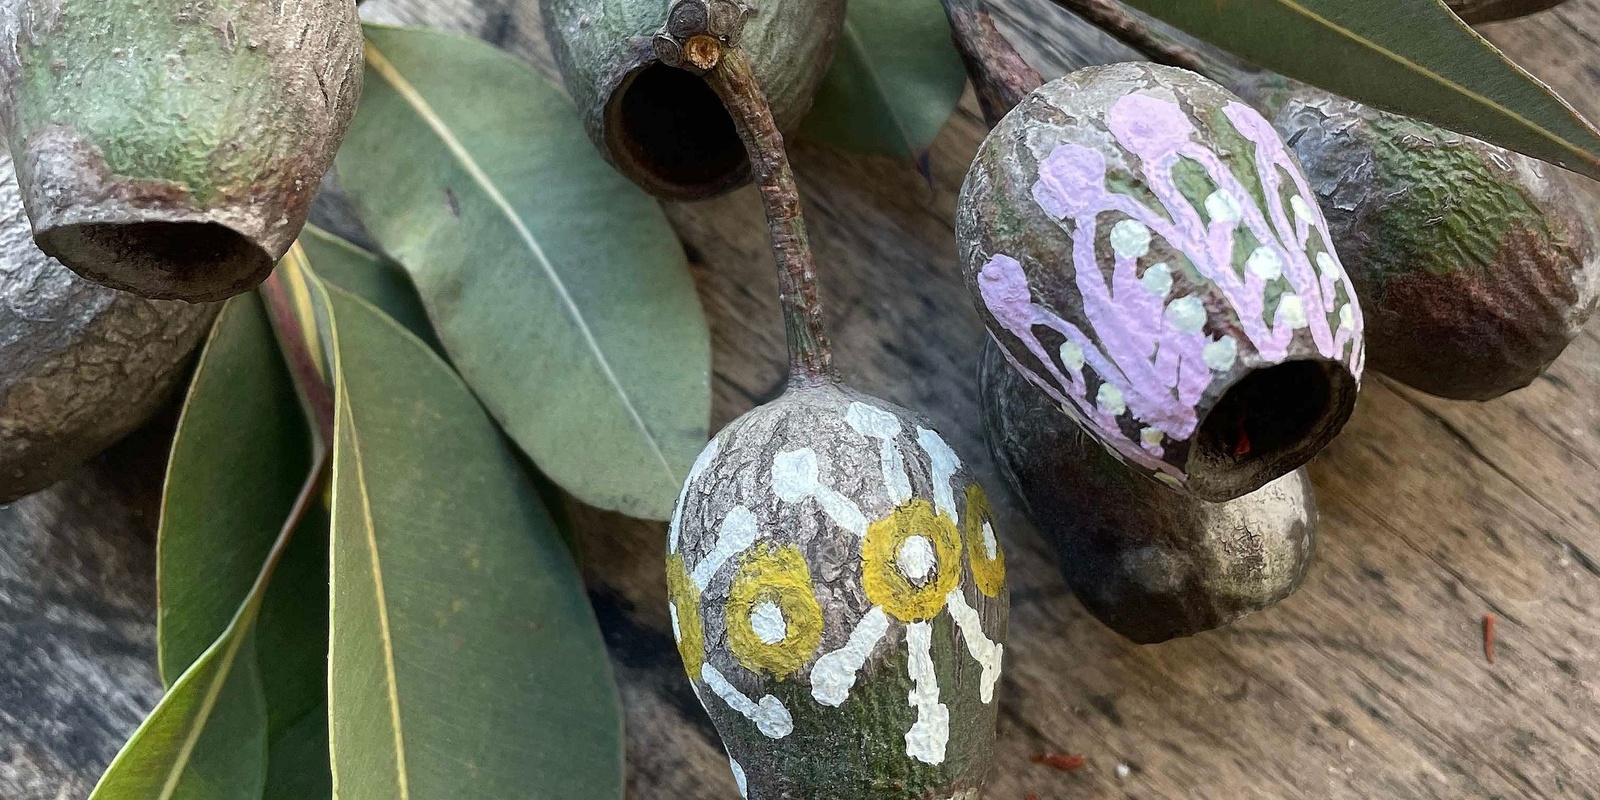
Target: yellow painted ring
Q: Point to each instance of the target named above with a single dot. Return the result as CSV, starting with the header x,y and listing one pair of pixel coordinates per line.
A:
x,y
777,575
886,585
988,573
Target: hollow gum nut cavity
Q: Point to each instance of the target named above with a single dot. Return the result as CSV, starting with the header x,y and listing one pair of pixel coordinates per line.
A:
x,y
838,595
1148,253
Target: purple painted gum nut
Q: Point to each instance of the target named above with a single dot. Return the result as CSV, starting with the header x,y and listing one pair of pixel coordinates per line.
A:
x,y
1147,252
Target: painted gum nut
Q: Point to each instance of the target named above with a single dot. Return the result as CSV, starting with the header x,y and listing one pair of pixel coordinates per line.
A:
x,y
664,127
1152,565
1476,266
171,148
81,365
838,597
1148,253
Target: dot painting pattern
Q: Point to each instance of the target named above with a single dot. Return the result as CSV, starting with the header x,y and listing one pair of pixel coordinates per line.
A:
x,y
919,552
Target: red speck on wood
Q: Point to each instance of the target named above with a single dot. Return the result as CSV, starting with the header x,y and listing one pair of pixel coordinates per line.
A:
x,y
1488,637
1032,796
1063,761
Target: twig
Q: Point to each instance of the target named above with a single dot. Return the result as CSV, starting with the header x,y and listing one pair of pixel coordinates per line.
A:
x,y
1157,45
702,36
1000,76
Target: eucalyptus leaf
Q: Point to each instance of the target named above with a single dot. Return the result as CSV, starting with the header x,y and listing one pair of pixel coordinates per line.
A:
x,y
371,277
1411,57
239,461
558,288
465,661
894,82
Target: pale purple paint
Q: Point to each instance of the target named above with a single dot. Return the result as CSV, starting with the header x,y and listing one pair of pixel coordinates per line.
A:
x,y
1133,344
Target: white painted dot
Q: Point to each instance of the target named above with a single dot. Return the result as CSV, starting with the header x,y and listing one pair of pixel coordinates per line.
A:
x,y
1071,356
677,632
1130,239
1326,263
1220,354
1157,280
1151,437
766,619
738,777
991,546
1347,317
1265,263
1187,314
1221,207
1292,311
1301,210
1111,400
916,558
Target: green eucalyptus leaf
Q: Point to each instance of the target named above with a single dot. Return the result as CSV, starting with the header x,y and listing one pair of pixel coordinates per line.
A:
x,y
238,460
207,738
250,651
558,288
895,79
465,661
1411,57
371,277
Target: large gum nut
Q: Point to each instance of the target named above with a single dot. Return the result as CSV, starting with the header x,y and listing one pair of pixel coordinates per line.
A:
x,y
664,127
1476,266
81,365
171,148
838,597
1148,253
1151,564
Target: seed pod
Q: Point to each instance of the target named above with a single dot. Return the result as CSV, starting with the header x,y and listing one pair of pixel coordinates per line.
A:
x,y
662,127
171,148
1475,265
839,600
1151,564
81,365
1147,252
1476,11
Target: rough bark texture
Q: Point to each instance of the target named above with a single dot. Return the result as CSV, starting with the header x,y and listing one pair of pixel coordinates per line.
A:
x,y
999,74
663,128
1151,564
171,148
838,597
1148,253
1475,11
1476,266
80,365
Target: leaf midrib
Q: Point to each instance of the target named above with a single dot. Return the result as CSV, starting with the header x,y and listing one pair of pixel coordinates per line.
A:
x,y
1550,135
391,75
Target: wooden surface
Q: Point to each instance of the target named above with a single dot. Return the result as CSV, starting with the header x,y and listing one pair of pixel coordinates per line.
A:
x,y
1371,682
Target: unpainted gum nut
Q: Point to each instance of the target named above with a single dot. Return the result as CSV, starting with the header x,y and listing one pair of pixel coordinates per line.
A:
x,y
664,127
171,148
1151,564
1476,11
1476,266
81,365
838,597
1147,252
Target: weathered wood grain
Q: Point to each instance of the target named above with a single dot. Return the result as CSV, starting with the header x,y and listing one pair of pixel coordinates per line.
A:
x,y
1370,682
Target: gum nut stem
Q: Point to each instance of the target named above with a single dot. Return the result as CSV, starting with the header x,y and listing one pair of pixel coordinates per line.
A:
x,y
81,365
1151,564
1475,266
1148,252
1476,11
663,127
171,148
838,596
